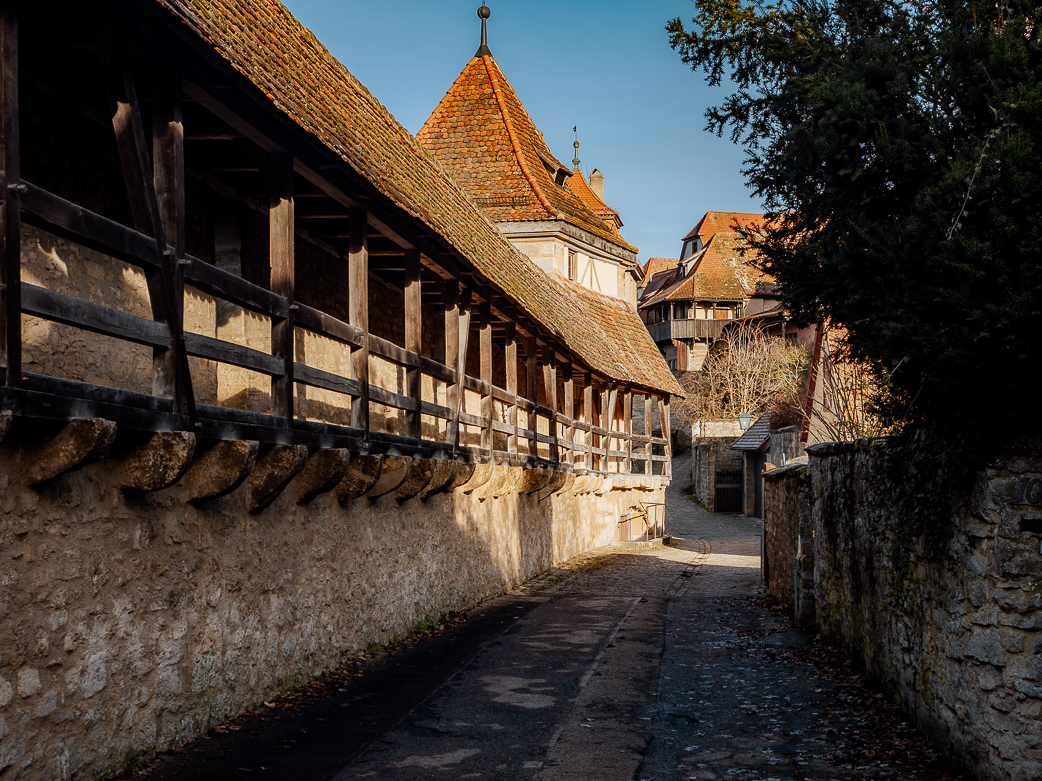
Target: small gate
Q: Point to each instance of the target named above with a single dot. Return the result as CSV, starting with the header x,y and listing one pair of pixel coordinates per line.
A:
x,y
728,491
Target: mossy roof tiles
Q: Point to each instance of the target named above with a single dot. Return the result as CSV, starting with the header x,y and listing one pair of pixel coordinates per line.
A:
x,y
299,77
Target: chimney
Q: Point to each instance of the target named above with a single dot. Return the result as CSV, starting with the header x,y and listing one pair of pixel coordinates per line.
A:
x,y
597,183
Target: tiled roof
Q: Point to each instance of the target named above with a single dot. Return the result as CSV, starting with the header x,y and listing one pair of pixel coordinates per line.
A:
x,y
299,77
758,435
723,222
659,282
577,181
482,135
722,272
655,265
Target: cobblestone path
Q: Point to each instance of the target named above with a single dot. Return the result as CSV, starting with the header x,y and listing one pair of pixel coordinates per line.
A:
x,y
626,664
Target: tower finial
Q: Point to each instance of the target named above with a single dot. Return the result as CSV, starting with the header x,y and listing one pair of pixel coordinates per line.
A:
x,y
484,12
576,160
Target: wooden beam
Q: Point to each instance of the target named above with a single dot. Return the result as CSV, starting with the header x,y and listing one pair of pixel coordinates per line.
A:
x,y
450,295
667,434
358,312
511,367
169,184
604,440
613,399
550,389
627,427
487,408
463,342
414,339
569,409
11,211
281,226
588,418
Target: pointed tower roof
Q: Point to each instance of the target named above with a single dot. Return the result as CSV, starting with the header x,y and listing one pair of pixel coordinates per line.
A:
x,y
487,142
586,194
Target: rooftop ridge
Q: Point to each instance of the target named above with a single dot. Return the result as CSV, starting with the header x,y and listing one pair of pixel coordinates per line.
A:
x,y
512,135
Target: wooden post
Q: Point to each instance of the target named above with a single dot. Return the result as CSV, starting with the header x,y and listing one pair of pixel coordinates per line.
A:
x,y
604,440
281,228
532,378
358,311
487,407
169,181
613,399
168,364
462,344
414,340
511,361
11,211
588,418
569,410
627,428
550,389
450,299
663,406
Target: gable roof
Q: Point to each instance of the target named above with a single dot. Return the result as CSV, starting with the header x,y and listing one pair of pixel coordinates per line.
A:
x,y
654,265
577,181
758,435
295,73
723,271
482,135
724,222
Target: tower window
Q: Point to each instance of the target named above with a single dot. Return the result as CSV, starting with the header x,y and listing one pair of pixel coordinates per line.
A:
x,y
573,264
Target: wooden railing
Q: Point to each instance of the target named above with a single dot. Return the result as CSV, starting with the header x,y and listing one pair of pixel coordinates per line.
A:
x,y
686,329
606,443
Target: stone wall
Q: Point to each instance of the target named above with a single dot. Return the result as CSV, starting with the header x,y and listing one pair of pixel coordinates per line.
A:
x,y
134,620
709,455
787,551
953,629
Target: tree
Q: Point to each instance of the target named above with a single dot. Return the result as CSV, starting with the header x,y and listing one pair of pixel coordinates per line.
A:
x,y
746,371
896,146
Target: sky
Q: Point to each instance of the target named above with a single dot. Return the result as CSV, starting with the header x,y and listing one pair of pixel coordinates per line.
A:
x,y
604,66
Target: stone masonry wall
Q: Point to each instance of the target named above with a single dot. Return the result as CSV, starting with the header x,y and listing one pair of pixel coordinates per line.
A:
x,y
136,621
786,495
710,454
956,634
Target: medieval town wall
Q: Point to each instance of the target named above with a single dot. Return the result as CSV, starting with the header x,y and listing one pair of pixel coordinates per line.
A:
x,y
139,620
951,627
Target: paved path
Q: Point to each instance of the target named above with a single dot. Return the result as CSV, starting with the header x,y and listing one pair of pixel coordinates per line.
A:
x,y
626,664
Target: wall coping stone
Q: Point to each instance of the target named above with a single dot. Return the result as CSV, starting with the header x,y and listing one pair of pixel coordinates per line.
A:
x,y
781,471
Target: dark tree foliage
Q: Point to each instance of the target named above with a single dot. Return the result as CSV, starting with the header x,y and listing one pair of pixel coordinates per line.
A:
x,y
898,146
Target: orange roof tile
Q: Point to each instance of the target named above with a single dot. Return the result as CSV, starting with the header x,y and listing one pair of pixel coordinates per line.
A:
x,y
577,181
724,222
290,69
655,265
723,271
482,135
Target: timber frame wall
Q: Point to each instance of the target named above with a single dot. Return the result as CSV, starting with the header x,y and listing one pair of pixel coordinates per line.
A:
x,y
306,190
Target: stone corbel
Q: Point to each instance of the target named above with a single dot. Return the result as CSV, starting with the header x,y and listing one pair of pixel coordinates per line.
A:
x,y
585,484
464,474
272,474
362,474
323,471
607,485
533,480
80,442
556,482
158,462
443,473
515,475
421,470
395,470
481,475
221,469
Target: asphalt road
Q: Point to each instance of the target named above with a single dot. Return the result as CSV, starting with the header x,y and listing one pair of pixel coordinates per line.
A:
x,y
629,664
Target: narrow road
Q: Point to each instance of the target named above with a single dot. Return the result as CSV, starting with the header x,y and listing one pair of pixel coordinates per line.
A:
x,y
630,664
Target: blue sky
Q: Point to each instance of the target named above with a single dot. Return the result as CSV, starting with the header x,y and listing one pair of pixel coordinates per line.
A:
x,y
604,66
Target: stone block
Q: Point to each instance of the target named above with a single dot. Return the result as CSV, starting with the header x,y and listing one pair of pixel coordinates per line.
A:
x,y
362,473
514,475
395,470
321,473
273,472
5,423
443,472
1030,621
79,443
1017,600
495,485
158,462
421,470
221,469
1020,557
464,473
985,646
533,480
